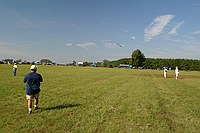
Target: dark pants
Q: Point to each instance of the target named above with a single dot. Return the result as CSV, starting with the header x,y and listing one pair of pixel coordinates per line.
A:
x,y
14,71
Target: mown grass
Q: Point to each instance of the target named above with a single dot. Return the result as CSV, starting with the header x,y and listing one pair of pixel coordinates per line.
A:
x,y
103,100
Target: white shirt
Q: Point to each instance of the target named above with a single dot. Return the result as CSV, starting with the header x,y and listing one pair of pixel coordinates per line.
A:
x,y
15,66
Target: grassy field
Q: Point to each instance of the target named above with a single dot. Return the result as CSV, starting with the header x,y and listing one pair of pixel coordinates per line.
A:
x,y
101,100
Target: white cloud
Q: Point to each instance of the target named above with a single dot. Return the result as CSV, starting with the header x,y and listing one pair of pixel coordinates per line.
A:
x,y
68,44
133,37
109,44
173,31
86,44
196,32
83,45
156,27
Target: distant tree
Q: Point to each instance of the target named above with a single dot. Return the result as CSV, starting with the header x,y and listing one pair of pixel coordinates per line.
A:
x,y
8,61
148,63
87,63
33,63
74,63
18,61
106,63
138,58
45,61
183,64
99,64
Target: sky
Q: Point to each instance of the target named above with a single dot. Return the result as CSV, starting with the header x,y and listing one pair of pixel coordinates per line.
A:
x,y
90,30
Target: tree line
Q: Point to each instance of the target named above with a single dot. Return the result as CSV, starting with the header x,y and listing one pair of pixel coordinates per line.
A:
x,y
19,61
138,60
183,64
158,63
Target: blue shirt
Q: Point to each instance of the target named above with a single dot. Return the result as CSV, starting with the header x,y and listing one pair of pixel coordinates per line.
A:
x,y
32,81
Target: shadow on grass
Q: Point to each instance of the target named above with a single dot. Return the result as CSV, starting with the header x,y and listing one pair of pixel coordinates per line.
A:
x,y
63,106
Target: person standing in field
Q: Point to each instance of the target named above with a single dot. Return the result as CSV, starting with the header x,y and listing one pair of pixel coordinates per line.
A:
x,y
165,72
15,69
32,81
176,72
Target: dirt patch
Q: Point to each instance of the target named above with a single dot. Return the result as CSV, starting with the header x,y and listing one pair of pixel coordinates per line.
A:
x,y
189,76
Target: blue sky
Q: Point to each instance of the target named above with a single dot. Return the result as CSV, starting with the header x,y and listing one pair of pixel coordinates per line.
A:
x,y
89,30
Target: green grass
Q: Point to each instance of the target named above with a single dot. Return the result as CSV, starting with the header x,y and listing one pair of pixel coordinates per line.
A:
x,y
102,100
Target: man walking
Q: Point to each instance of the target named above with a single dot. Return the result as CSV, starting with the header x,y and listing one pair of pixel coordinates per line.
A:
x,y
14,69
32,81
165,72
176,72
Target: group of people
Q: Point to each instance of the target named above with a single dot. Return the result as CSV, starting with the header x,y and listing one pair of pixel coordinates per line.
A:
x,y
176,72
33,80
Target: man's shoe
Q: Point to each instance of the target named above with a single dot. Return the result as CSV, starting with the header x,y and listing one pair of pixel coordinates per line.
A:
x,y
30,112
35,108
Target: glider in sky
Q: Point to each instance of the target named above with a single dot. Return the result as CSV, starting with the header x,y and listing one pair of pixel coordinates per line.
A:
x,y
120,45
